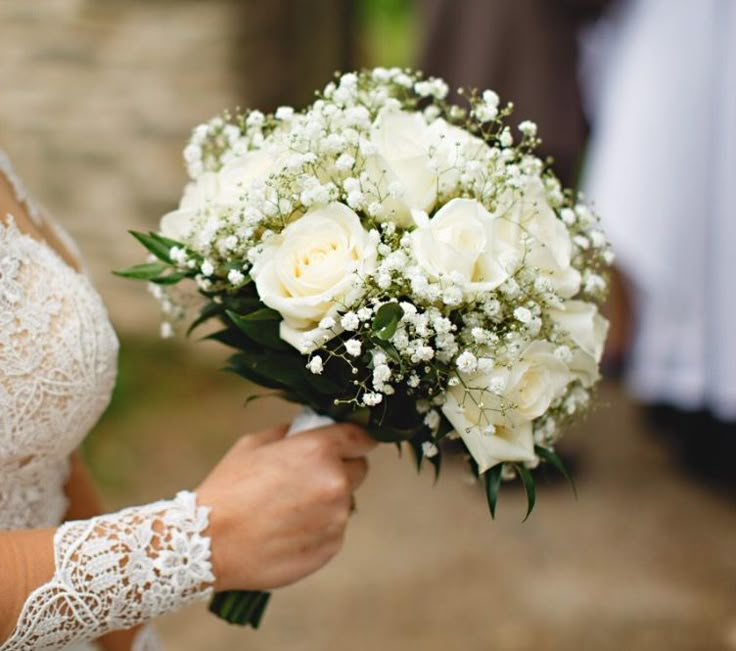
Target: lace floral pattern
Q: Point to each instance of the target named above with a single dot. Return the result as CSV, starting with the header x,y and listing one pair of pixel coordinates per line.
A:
x,y
58,361
58,358
116,571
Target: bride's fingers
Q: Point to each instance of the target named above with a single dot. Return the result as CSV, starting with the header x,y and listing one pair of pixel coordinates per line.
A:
x,y
356,470
352,442
252,441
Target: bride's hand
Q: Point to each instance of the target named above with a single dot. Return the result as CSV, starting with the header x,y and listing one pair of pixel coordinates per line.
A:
x,y
280,505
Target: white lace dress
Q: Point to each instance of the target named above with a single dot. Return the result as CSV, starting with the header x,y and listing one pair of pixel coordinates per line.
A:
x,y
58,356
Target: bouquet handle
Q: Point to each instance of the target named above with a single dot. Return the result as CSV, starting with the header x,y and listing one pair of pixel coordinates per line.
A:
x,y
246,607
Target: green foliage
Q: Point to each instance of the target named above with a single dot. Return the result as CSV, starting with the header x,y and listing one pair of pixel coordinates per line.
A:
x,y
387,320
241,607
262,326
157,244
145,271
552,458
529,487
156,272
492,479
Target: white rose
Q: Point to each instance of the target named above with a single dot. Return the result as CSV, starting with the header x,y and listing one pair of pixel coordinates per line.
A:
x,y
460,239
588,330
452,148
525,212
402,142
177,224
220,189
313,268
529,388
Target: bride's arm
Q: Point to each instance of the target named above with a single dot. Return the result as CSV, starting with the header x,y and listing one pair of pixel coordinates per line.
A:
x,y
278,511
84,502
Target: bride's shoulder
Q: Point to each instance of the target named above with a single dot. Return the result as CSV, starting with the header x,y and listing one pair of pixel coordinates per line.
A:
x,y
22,219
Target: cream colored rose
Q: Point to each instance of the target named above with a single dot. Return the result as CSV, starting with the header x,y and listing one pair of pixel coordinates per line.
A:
x,y
177,224
313,268
401,162
588,330
493,412
220,189
460,239
253,168
451,149
526,222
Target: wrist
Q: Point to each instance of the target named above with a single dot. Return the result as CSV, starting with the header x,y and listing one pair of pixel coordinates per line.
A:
x,y
214,532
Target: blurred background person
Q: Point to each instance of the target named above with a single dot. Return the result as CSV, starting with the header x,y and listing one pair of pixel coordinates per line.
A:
x,y
661,170
527,51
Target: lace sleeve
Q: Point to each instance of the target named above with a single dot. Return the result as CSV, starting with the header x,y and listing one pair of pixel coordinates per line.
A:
x,y
116,571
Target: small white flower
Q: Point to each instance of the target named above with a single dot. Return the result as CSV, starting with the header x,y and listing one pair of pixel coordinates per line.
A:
x,y
345,162
167,331
381,374
350,321
568,216
372,399
452,296
564,354
284,113
582,241
467,362
327,323
353,347
379,357
522,314
594,284
528,128
498,384
598,239
429,449
506,139
423,354
432,420
207,268
235,277
365,314
316,365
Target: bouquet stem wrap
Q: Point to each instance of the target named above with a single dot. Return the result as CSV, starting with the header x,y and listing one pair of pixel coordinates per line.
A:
x,y
246,607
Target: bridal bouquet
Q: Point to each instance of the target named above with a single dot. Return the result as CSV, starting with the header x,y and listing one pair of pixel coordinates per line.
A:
x,y
387,258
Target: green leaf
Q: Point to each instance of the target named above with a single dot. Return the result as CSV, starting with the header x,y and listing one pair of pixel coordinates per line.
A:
x,y
436,462
389,349
528,481
231,337
264,314
156,244
208,312
492,479
276,370
390,434
170,279
418,451
145,271
444,429
262,326
554,459
241,607
387,320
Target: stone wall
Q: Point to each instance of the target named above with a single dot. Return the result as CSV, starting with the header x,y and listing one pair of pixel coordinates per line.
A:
x,y
98,96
